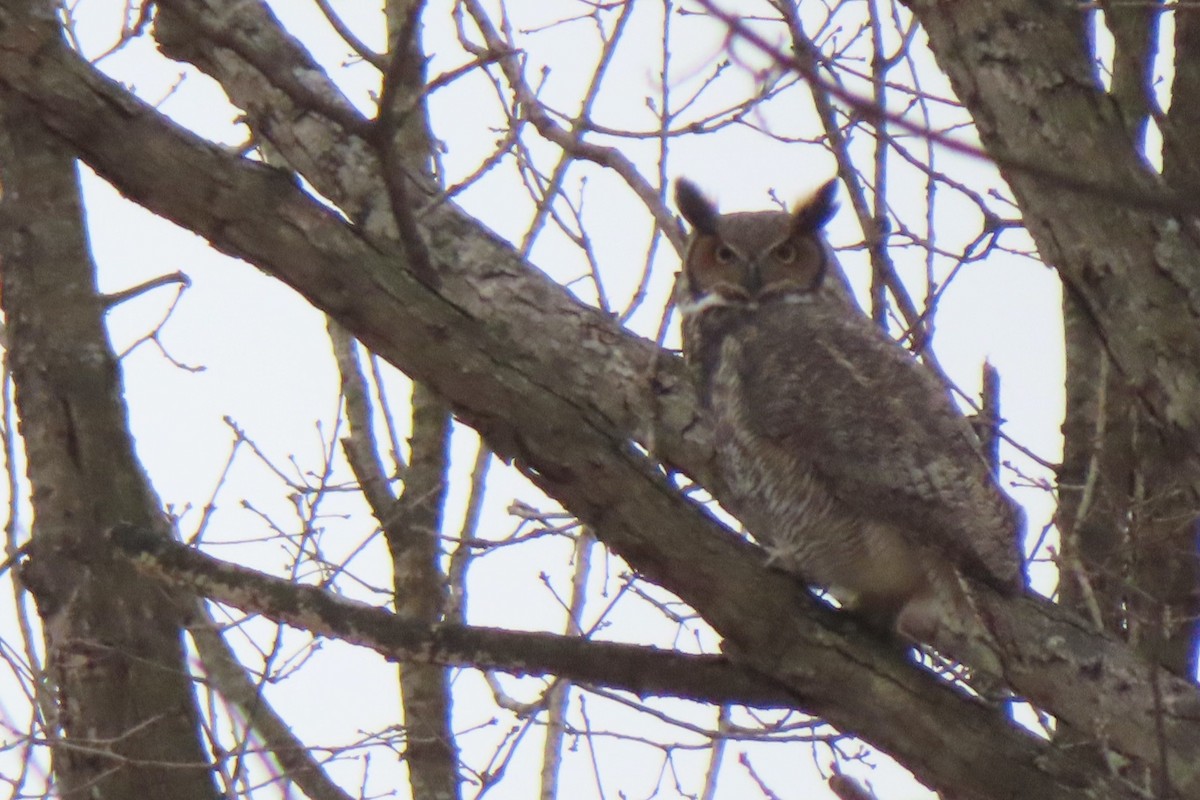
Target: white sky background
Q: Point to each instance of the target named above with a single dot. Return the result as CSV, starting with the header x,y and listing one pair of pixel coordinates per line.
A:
x,y
267,366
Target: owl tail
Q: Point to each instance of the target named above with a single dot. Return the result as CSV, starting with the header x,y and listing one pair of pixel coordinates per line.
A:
x,y
948,620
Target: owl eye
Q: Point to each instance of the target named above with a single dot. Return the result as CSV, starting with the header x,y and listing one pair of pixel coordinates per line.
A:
x,y
784,253
724,254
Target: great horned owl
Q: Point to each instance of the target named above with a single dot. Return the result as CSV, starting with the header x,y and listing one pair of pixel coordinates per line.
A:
x,y
845,457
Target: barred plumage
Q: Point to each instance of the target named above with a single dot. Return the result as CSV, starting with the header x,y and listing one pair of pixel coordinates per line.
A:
x,y
846,457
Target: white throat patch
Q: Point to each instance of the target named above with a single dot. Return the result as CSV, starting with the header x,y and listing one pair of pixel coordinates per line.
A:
x,y
716,300
711,300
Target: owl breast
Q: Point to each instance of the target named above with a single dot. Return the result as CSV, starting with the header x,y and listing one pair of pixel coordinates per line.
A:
x,y
786,504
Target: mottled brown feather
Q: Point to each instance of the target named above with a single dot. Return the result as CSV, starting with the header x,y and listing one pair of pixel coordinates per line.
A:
x,y
845,456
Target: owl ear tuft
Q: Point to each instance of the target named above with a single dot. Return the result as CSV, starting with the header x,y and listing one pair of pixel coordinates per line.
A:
x,y
818,210
698,210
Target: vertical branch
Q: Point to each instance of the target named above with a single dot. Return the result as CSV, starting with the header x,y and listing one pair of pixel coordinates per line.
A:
x,y
412,533
40,682
1095,477
127,722
989,416
665,117
1134,27
401,134
411,524
716,754
579,126
415,523
460,559
558,695
876,234
1181,126
808,55
1161,600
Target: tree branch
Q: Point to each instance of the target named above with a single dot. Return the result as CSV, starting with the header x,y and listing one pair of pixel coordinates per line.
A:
x,y
645,671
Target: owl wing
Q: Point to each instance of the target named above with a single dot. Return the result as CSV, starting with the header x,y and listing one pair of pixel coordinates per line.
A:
x,y
880,430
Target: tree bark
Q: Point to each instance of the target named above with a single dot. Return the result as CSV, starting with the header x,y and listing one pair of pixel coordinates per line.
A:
x,y
1025,73
127,723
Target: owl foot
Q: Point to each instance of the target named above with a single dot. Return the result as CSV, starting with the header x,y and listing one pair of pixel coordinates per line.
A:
x,y
920,620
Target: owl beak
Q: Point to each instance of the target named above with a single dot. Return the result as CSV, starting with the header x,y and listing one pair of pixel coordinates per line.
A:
x,y
754,279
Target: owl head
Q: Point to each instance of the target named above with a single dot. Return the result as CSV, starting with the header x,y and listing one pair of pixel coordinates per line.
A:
x,y
750,258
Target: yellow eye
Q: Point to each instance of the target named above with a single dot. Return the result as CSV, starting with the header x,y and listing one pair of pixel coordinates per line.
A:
x,y
784,253
725,254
